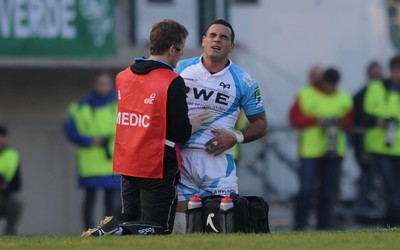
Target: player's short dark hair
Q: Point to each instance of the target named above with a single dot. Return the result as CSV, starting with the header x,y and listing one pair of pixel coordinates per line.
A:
x,y
331,76
394,62
3,130
164,34
225,23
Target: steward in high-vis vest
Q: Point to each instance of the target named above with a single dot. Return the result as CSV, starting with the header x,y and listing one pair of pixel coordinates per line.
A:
x,y
382,138
10,182
364,205
95,130
152,120
91,127
322,114
383,102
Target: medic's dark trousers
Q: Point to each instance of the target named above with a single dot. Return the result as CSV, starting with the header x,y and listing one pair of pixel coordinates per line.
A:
x,y
149,205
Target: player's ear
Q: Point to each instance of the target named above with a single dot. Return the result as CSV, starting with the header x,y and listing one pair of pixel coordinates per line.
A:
x,y
202,41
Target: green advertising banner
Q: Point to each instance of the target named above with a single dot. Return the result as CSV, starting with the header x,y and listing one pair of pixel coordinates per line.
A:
x,y
57,28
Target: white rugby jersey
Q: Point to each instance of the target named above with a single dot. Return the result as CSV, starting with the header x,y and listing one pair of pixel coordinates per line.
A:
x,y
223,94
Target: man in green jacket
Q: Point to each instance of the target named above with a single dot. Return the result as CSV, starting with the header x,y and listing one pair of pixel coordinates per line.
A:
x,y
382,138
91,127
322,113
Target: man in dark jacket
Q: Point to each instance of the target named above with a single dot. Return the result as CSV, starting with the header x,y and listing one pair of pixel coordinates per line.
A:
x,y
361,121
382,137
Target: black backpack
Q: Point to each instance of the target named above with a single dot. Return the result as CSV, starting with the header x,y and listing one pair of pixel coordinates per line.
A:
x,y
259,210
250,214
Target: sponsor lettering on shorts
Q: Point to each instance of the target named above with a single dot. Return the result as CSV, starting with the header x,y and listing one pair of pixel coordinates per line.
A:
x,y
223,192
147,230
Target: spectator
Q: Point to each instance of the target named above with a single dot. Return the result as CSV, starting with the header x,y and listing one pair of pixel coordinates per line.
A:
x,y
10,207
91,127
365,182
322,114
382,138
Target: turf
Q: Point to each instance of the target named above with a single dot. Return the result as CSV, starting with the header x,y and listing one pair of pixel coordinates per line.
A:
x,y
376,239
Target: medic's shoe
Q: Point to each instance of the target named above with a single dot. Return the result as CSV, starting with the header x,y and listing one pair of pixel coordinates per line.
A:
x,y
107,226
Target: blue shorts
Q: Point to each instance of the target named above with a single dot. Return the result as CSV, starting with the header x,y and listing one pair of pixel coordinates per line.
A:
x,y
206,174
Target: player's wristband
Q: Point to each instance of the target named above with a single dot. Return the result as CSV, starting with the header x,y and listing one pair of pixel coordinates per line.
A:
x,y
239,136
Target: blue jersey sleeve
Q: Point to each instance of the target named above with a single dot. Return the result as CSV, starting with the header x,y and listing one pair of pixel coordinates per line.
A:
x,y
251,101
180,67
186,63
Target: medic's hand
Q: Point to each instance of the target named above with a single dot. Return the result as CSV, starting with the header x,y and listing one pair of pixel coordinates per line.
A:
x,y
223,140
198,120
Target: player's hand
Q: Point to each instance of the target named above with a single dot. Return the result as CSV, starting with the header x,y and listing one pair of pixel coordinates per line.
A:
x,y
198,120
223,141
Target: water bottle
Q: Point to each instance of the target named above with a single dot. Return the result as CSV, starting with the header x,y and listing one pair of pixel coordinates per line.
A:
x,y
391,132
194,215
332,133
227,216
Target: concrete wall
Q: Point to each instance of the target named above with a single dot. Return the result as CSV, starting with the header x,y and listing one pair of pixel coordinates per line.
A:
x,y
183,11
278,41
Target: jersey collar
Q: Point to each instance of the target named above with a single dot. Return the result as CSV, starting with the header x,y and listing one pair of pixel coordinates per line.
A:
x,y
223,71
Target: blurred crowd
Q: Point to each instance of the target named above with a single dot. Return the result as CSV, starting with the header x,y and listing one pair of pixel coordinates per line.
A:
x,y
329,121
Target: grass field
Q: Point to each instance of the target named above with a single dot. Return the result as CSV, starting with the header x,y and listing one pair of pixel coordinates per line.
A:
x,y
376,239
